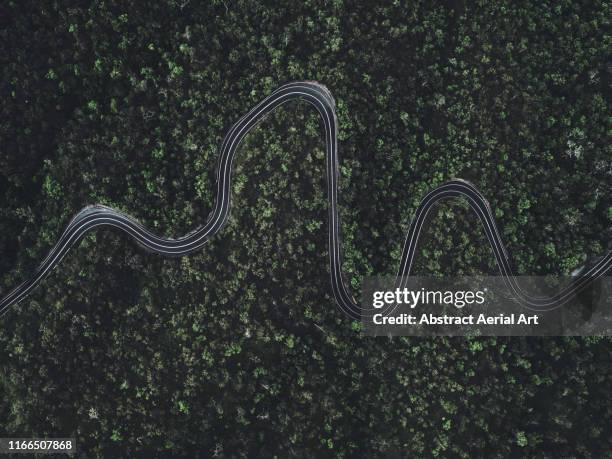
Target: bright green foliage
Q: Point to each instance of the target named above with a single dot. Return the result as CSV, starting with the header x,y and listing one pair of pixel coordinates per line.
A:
x,y
238,350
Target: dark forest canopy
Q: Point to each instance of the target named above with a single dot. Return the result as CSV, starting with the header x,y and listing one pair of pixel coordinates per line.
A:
x,y
238,350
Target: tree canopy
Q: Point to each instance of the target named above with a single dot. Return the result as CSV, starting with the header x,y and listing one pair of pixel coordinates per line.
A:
x,y
238,350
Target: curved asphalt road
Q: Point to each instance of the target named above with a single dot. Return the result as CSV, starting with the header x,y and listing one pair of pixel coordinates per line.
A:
x,y
318,96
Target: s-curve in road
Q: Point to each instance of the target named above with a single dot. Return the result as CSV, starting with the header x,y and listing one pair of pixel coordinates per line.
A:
x,y
321,99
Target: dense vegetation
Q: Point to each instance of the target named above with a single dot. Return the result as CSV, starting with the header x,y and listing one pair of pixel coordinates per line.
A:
x,y
238,350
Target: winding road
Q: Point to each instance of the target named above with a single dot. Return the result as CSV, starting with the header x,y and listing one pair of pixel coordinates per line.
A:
x,y
317,95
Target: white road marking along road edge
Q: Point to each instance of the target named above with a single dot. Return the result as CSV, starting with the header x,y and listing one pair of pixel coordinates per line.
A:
x,y
319,96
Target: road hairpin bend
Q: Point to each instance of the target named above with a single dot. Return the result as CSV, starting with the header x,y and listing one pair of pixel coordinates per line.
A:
x,y
317,95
